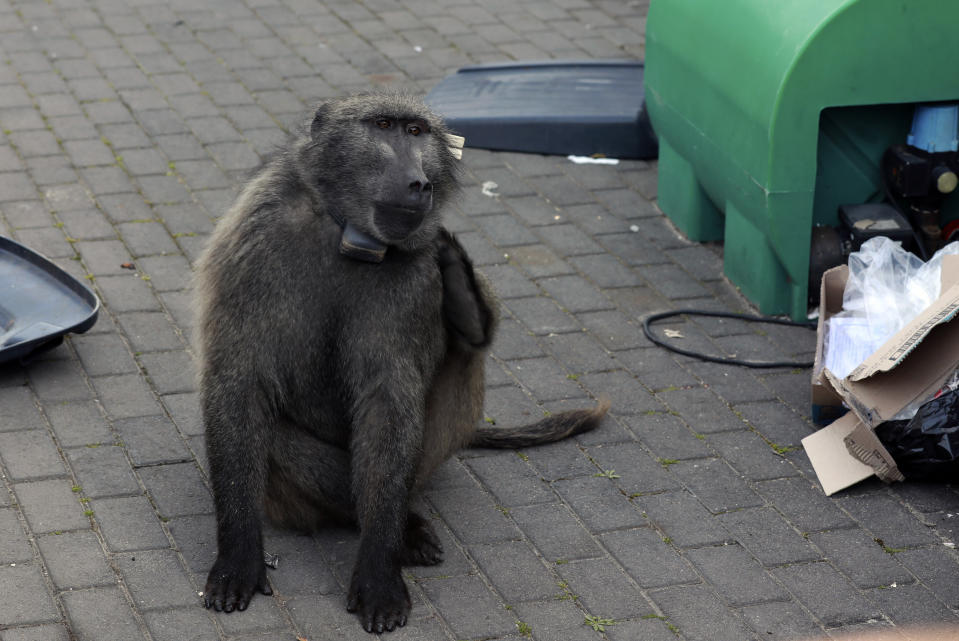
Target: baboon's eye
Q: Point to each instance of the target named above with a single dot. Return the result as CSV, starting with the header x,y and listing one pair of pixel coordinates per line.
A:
x,y
384,123
414,130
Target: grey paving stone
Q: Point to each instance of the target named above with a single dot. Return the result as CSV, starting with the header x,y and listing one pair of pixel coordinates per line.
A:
x,y
472,515
50,505
30,454
768,537
555,619
125,396
515,571
780,621
580,352
913,605
861,558
156,579
515,341
737,577
58,380
177,490
635,470
627,395
510,406
75,560
568,240
602,587
322,616
655,368
937,569
701,409
18,410
124,207
14,546
78,423
149,331
511,479
542,315
182,624
473,611
545,379
776,422
128,293
803,504
826,593
615,330
303,569
563,459
103,470
539,261
49,632
555,532
85,609
263,614
750,455
715,484
26,599
147,238
648,559
185,411
888,520
575,294
151,440
104,354
129,523
599,503
169,372
699,614
651,629
508,282
195,537
683,519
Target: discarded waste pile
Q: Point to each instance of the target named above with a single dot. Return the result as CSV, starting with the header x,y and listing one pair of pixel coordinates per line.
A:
x,y
886,375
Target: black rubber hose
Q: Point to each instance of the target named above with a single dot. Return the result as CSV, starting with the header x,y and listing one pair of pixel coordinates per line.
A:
x,y
652,318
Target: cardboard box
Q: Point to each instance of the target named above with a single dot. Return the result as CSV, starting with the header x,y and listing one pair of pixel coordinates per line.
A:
x,y
911,366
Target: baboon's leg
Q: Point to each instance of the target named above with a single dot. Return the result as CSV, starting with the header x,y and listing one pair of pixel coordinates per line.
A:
x,y
310,485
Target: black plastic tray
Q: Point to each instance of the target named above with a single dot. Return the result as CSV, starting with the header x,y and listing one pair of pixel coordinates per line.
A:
x,y
557,107
39,303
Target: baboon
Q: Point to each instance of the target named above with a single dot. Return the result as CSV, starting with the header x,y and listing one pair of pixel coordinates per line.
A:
x,y
342,334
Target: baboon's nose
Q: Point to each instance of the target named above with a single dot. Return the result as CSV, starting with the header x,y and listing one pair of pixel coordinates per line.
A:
x,y
421,187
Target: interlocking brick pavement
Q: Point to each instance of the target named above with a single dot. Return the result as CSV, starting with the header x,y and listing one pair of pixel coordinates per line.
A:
x,y
125,129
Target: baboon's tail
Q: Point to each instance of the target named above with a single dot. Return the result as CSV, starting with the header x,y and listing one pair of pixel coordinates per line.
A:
x,y
552,428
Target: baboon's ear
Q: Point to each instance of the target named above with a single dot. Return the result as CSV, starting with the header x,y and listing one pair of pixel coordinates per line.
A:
x,y
318,118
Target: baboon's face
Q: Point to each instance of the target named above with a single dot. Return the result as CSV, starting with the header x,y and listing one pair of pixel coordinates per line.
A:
x,y
403,195
382,161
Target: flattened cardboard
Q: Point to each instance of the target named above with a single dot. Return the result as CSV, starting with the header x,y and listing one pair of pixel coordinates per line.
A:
x,y
911,366
834,466
826,403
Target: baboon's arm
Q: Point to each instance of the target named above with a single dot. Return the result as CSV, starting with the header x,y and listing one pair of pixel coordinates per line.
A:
x,y
237,427
387,430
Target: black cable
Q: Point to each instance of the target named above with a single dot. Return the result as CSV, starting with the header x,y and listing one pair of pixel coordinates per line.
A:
x,y
652,318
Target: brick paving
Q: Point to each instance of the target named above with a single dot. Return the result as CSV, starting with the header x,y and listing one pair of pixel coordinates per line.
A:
x,y
691,514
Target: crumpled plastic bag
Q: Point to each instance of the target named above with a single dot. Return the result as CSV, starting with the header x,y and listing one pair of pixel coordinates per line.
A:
x,y
887,287
890,286
926,447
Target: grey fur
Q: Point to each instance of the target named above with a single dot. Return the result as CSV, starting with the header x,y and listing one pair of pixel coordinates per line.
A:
x,y
331,388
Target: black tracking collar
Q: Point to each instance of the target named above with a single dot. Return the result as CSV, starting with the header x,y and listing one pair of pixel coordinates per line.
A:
x,y
356,244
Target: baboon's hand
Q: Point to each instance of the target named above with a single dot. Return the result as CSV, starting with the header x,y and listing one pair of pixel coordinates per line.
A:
x,y
233,581
380,598
466,312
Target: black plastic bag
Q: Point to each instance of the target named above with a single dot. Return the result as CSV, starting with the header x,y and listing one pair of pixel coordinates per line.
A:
x,y
926,447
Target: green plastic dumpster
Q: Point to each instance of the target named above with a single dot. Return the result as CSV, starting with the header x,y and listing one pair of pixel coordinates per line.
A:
x,y
772,114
